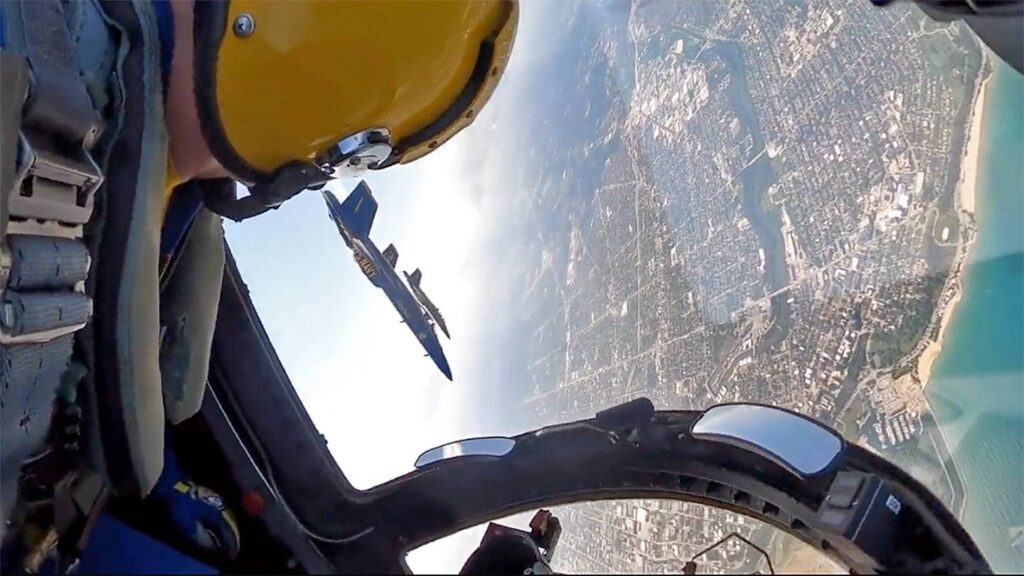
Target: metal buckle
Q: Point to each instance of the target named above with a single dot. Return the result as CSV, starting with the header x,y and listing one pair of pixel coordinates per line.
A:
x,y
53,193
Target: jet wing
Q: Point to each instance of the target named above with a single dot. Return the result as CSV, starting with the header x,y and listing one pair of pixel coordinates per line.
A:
x,y
431,309
418,322
440,324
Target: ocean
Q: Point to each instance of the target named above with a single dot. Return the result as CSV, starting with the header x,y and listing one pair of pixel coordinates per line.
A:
x,y
977,385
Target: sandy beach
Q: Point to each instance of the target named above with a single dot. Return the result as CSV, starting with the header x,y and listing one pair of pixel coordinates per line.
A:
x,y
965,194
931,352
967,185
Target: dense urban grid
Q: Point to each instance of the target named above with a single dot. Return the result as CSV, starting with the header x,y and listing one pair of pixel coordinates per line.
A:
x,y
776,220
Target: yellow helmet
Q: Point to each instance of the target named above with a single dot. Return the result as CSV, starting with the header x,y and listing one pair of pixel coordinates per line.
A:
x,y
356,83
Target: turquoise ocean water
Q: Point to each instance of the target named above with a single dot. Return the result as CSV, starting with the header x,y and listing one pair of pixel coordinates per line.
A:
x,y
977,387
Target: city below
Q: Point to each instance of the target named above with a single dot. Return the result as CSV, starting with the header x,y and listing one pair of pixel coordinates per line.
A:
x,y
781,205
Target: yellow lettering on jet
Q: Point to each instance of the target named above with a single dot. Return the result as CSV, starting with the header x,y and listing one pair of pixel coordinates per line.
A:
x,y
366,265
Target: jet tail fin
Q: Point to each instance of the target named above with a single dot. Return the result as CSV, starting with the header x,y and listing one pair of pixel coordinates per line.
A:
x,y
415,277
391,255
358,210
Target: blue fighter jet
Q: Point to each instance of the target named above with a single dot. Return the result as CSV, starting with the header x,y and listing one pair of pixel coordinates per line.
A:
x,y
354,217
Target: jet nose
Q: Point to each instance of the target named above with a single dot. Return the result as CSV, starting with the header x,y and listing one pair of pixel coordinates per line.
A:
x,y
442,364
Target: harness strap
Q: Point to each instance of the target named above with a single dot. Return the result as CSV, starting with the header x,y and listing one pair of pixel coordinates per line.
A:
x,y
48,182
60,103
46,262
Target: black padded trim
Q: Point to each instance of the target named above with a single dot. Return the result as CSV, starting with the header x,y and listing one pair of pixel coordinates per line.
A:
x,y
459,107
210,24
104,282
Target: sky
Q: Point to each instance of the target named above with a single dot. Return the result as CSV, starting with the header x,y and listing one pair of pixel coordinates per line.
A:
x,y
360,373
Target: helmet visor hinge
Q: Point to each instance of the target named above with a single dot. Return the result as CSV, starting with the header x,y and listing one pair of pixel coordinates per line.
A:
x,y
361,151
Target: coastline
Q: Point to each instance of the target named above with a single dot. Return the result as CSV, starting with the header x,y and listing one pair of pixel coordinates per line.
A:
x,y
968,182
966,189
975,394
934,348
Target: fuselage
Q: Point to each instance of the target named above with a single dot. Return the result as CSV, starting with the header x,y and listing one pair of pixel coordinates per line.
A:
x,y
382,275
